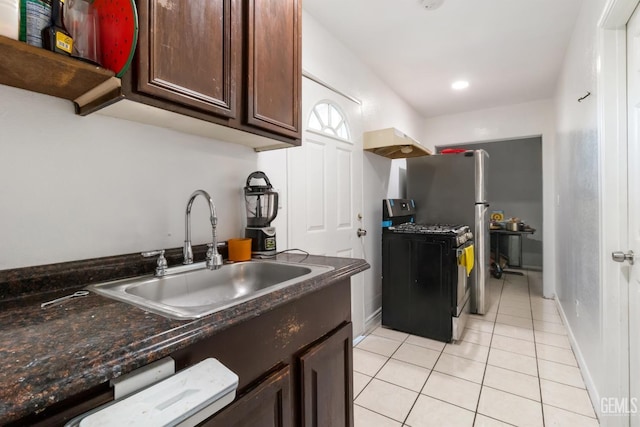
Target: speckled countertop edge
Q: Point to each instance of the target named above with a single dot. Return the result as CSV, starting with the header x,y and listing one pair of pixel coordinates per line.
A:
x,y
54,353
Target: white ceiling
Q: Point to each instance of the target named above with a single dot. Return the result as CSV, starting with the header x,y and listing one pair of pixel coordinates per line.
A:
x,y
510,51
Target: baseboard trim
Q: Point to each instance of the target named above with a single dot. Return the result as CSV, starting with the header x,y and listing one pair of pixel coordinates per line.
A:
x,y
588,379
357,340
373,321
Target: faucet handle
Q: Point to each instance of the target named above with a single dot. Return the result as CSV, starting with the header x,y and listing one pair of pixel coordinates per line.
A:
x,y
149,254
161,264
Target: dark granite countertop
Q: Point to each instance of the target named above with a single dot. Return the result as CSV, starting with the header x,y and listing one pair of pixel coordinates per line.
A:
x,y
54,353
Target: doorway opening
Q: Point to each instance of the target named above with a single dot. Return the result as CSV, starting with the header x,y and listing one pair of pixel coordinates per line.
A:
x,y
514,188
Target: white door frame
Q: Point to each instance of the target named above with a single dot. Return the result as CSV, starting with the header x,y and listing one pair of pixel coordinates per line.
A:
x,y
612,126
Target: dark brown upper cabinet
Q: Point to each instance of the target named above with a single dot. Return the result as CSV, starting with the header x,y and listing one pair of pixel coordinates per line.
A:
x,y
188,53
274,65
235,63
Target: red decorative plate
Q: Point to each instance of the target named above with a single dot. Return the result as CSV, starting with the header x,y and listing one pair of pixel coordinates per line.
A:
x,y
118,33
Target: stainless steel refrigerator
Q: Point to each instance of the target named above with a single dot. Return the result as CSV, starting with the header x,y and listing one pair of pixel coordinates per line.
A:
x,y
451,189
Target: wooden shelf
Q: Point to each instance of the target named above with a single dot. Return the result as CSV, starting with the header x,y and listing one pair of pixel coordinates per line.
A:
x,y
38,70
393,144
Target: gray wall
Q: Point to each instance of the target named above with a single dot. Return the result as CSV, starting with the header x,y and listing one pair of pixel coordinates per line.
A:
x,y
514,185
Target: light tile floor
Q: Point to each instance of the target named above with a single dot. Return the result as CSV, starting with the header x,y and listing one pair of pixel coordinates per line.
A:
x,y
513,366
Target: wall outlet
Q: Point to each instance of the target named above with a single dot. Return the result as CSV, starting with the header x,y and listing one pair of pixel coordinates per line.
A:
x,y
577,308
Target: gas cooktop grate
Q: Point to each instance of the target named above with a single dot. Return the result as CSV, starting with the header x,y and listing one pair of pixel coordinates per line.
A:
x,y
461,233
411,227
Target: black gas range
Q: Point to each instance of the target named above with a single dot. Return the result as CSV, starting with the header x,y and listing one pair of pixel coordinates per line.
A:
x,y
425,290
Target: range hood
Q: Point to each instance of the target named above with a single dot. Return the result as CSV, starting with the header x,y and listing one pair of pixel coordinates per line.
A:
x,y
393,144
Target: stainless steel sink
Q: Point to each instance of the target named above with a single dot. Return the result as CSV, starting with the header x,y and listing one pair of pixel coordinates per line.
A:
x,y
199,292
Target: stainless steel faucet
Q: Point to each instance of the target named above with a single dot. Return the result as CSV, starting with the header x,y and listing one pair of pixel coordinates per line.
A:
x,y
214,259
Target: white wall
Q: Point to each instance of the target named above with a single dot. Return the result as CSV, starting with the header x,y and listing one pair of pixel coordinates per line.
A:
x,y
83,187
328,59
577,157
508,123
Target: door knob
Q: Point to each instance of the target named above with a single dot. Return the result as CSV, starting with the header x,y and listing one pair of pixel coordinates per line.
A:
x,y
620,256
361,232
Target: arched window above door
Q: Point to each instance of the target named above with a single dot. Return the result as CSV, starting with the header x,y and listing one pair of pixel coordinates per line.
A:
x,y
327,118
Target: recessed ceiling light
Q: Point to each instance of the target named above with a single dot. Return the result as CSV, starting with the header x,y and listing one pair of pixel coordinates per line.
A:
x,y
459,85
431,4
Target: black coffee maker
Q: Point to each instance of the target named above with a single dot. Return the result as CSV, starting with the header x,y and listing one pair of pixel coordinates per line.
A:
x,y
262,207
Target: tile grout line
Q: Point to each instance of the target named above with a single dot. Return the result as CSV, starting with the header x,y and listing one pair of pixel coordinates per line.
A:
x,y
484,373
365,386
573,412
399,360
495,419
536,343
444,401
538,359
423,386
513,370
378,371
398,385
513,394
539,388
535,348
402,361
378,413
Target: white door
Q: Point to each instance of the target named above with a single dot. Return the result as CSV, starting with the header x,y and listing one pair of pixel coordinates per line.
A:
x,y
325,183
633,170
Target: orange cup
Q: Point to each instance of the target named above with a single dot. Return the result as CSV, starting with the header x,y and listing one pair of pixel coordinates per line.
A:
x,y
239,249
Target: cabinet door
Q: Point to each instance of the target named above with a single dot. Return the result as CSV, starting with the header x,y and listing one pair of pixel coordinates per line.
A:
x,y
267,405
327,381
189,53
274,66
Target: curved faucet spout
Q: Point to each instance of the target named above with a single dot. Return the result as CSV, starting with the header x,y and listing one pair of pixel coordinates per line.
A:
x,y
214,259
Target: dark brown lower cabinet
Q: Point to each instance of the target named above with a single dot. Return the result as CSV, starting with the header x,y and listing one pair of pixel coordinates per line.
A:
x,y
324,381
326,377
266,405
294,365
